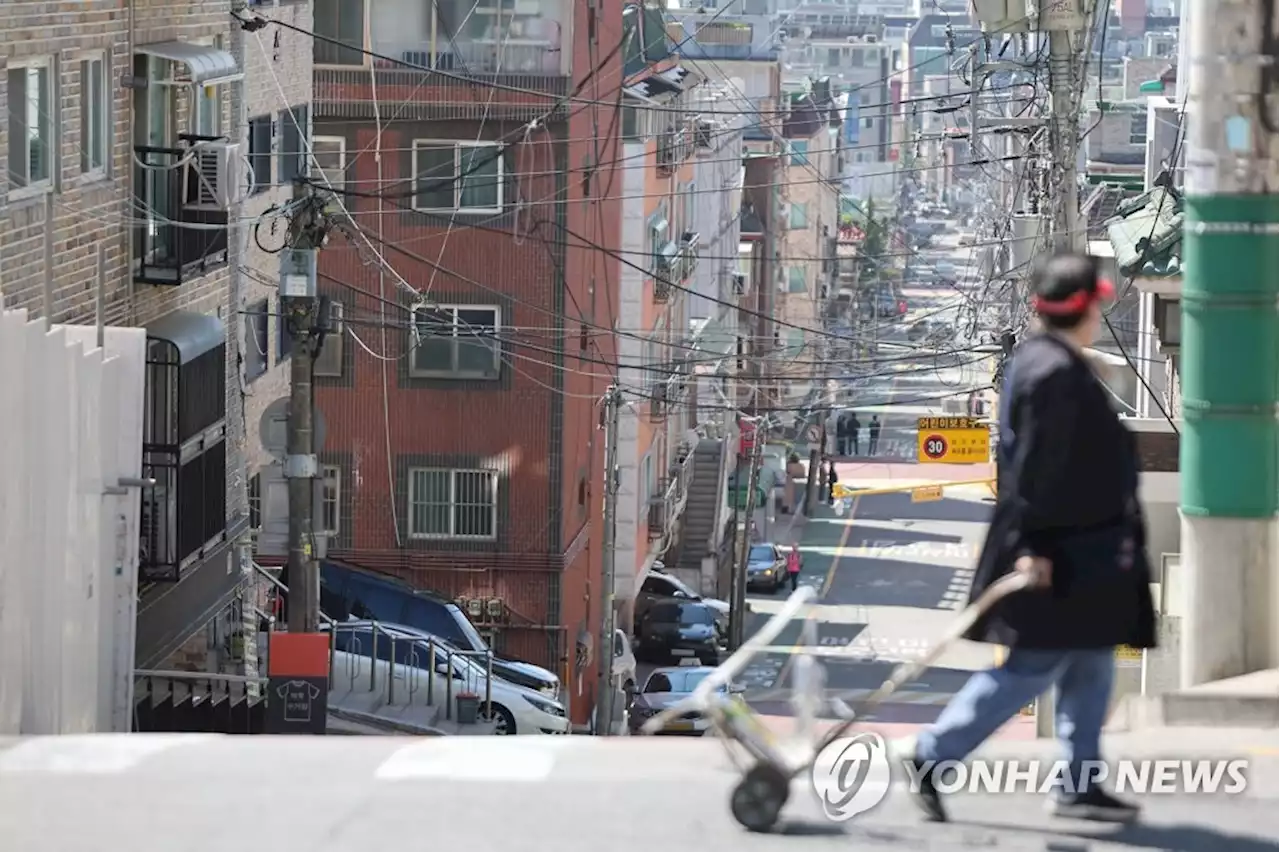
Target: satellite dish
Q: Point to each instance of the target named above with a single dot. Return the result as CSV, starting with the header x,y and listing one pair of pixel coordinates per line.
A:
x,y
273,429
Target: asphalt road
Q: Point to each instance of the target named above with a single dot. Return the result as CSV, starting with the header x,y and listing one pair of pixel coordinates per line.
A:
x,y
322,794
891,573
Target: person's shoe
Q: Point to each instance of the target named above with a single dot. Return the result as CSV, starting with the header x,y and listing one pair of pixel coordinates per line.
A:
x,y
1094,804
926,795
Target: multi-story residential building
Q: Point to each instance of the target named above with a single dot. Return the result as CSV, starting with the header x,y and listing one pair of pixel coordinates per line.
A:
x,y
661,234
463,419
810,215
739,56
120,157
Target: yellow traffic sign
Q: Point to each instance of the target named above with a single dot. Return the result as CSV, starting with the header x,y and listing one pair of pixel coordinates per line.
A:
x,y
926,493
842,491
952,440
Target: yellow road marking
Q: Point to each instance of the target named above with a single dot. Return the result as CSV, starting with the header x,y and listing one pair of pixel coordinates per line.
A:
x,y
826,586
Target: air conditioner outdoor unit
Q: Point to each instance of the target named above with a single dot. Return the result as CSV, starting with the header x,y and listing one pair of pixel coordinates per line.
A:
x,y
214,177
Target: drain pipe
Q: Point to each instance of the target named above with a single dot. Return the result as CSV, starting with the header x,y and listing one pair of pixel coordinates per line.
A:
x,y
1229,362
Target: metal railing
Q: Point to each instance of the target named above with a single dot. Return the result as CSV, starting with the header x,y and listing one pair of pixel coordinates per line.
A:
x,y
418,650
419,655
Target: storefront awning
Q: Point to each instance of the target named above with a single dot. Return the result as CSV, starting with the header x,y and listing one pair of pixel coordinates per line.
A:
x,y
207,65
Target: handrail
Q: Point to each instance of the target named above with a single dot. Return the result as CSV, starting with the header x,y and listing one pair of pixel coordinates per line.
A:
x,y
413,669
324,619
198,676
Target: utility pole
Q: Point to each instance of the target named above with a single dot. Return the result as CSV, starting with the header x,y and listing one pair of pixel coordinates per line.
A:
x,y
1063,71
1229,362
298,297
738,603
608,565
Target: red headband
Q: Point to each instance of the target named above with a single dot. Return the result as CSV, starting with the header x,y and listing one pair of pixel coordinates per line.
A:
x,y
1077,302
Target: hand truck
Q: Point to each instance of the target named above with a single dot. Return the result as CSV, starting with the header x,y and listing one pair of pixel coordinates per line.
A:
x,y
772,762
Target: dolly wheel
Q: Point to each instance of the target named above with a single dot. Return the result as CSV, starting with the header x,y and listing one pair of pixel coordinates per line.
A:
x,y
759,797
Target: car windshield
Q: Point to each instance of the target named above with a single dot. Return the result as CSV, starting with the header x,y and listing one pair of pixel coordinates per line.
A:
x,y
675,680
761,553
694,614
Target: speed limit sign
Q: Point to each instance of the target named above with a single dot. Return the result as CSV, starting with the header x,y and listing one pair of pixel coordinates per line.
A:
x,y
935,446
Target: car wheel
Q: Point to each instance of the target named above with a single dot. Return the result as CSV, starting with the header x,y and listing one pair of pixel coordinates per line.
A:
x,y
504,724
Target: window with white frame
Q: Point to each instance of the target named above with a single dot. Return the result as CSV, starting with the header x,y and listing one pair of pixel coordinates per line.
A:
x,y
330,498
30,92
329,160
452,503
94,124
456,342
458,176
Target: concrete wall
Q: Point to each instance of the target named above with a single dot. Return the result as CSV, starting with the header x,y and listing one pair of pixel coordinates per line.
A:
x,y
72,421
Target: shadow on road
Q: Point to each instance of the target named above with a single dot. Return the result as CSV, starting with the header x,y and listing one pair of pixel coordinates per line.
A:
x,y
875,580
1172,838
899,507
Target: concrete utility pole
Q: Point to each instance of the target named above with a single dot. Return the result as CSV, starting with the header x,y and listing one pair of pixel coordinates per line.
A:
x,y
1229,360
1065,70
605,688
738,603
307,230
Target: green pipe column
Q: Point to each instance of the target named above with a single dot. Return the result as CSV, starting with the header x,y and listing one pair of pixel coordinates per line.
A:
x,y
1230,380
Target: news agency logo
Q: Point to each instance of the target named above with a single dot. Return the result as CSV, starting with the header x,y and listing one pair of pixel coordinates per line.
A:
x,y
852,775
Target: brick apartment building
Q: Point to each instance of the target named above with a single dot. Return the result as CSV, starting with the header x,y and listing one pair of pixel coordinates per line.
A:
x,y
462,416
103,217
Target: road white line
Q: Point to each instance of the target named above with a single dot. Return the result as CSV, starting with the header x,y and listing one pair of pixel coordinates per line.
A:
x,y
476,759
96,754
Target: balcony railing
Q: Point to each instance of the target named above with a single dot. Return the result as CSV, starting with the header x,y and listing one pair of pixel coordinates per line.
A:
x,y
176,241
184,451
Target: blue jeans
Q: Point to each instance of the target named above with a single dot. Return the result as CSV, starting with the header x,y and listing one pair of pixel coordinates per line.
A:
x,y
991,698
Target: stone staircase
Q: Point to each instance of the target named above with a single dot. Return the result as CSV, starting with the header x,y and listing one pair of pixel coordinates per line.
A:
x,y
699,519
1246,701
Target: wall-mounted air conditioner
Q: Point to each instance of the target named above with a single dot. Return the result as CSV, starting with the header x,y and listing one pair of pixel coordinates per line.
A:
x,y
214,178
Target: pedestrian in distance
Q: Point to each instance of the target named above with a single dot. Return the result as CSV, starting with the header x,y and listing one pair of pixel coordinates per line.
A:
x,y
793,566
873,434
842,435
855,428
831,482
1066,513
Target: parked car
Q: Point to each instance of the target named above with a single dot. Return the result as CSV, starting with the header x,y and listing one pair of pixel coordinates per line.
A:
x,y
679,630
352,593
516,709
665,687
766,567
660,586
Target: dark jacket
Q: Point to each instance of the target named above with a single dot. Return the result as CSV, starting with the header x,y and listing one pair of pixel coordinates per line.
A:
x,y
1068,491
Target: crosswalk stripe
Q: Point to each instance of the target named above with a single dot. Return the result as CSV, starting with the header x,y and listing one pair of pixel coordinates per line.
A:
x,y
491,759
97,754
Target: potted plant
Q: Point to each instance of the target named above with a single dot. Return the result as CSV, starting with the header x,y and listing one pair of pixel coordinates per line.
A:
x,y
468,707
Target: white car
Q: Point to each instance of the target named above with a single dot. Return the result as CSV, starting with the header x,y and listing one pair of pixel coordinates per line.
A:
x,y
516,709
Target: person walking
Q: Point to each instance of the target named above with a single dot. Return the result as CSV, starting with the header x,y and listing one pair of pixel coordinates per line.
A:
x,y
842,435
873,434
855,427
831,482
1066,513
793,566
